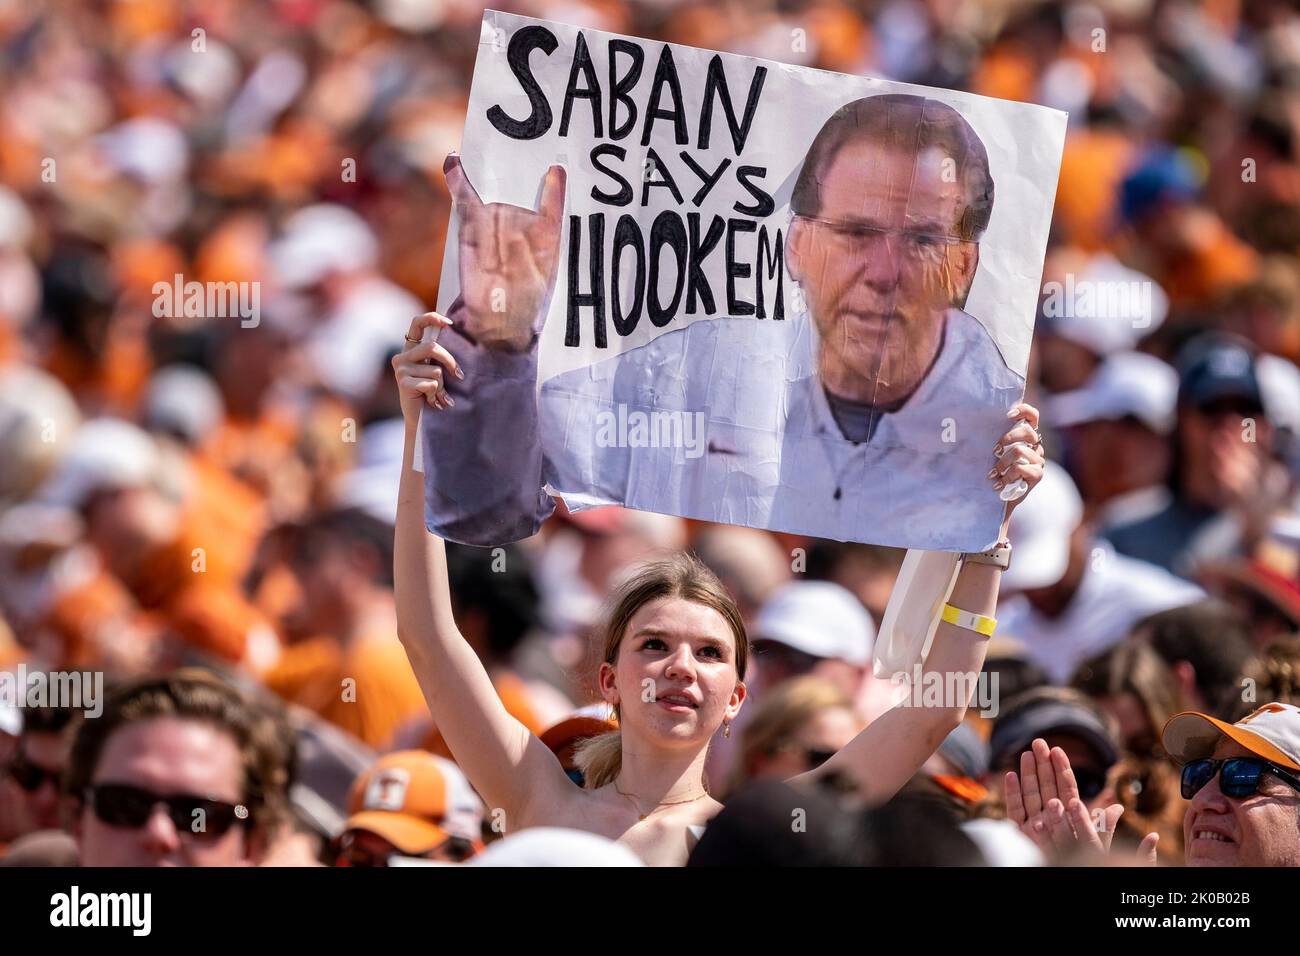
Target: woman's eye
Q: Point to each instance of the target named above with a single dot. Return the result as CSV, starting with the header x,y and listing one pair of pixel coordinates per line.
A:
x,y
712,652
653,644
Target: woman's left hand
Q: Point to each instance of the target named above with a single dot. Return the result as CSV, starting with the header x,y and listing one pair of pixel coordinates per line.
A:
x,y
1018,455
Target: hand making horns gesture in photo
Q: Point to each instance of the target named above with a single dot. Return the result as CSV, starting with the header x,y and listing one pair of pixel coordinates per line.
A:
x,y
508,259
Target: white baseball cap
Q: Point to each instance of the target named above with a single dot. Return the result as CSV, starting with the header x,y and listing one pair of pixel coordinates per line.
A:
x,y
319,240
1271,732
819,618
105,453
1040,532
1125,384
183,399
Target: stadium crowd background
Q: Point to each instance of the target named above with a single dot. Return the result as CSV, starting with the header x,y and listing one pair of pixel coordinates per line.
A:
x,y
181,491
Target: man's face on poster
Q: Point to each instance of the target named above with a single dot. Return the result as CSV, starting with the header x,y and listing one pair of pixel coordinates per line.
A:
x,y
880,263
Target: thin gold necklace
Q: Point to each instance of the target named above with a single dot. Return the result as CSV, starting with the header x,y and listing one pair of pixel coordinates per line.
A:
x,y
636,802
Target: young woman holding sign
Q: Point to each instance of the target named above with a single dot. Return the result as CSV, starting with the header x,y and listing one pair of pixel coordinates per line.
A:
x,y
675,649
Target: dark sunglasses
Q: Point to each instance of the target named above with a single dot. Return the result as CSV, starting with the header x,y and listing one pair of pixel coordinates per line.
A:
x,y
120,805
1090,783
816,758
1238,776
30,776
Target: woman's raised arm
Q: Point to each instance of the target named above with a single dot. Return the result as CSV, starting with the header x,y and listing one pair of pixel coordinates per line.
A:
x,y
884,756
509,766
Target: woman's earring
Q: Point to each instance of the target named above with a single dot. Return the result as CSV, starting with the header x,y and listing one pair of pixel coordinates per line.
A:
x,y
726,729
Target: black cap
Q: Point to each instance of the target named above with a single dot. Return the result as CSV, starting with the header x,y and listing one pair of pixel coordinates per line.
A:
x,y
1047,716
1213,367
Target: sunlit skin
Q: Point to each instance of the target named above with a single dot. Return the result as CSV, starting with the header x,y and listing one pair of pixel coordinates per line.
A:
x,y
879,309
1043,799
1080,756
674,646
167,756
1260,830
671,647
40,809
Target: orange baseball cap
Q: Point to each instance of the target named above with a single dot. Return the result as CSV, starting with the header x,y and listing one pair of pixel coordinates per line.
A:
x,y
1271,732
562,738
416,802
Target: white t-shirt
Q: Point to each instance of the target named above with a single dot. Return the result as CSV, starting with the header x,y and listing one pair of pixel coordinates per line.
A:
x,y
1115,593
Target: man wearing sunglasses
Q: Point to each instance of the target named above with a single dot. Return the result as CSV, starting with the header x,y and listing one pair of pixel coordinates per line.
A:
x,y
33,778
179,770
875,369
1241,781
1243,784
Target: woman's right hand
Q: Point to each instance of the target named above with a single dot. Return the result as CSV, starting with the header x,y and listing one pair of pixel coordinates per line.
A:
x,y
421,368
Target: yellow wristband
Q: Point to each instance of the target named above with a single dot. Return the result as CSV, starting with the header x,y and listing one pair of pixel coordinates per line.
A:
x,y
969,620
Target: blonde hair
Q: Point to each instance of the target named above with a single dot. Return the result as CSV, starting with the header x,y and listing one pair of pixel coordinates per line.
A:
x,y
785,710
683,576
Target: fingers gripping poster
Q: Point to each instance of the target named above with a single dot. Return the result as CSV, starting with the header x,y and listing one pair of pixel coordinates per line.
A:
x,y
731,289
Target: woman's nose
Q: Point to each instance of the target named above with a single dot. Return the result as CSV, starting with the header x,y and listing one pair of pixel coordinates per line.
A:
x,y
680,664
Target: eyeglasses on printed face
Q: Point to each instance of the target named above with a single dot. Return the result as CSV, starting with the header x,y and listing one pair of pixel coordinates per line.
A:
x,y
122,805
860,240
1238,776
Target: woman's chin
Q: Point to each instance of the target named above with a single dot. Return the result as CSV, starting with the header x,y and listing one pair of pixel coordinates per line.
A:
x,y
676,731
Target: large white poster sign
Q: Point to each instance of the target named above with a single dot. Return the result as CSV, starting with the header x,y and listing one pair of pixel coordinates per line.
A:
x,y
731,289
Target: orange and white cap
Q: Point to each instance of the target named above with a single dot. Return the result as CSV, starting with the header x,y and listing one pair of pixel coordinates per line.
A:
x,y
1271,732
416,802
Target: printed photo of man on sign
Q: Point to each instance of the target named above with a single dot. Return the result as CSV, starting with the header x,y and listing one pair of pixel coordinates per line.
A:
x,y
748,293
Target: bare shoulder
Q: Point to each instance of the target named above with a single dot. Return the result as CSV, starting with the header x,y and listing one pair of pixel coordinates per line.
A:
x,y
664,839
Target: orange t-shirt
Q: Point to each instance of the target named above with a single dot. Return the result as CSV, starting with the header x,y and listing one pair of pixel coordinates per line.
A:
x,y
367,689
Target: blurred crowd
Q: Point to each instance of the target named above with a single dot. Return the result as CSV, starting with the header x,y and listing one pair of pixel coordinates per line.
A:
x,y
200,506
